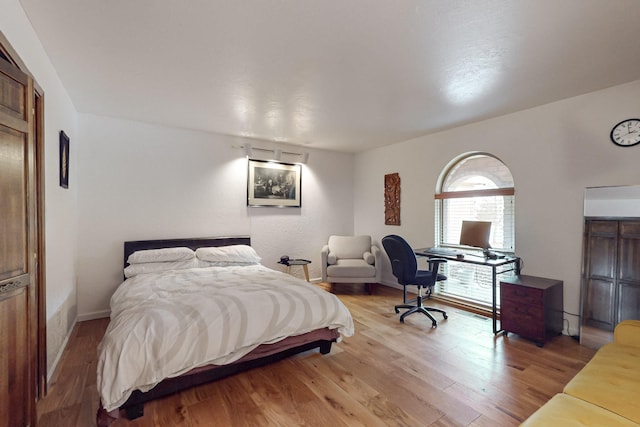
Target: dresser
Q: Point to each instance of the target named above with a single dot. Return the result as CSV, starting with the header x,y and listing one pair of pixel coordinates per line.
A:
x,y
531,307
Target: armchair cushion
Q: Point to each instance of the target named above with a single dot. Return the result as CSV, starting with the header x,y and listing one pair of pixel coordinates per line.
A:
x,y
349,246
331,259
351,268
568,411
609,379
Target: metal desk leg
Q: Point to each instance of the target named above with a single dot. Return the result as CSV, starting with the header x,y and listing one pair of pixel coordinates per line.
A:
x,y
494,307
516,268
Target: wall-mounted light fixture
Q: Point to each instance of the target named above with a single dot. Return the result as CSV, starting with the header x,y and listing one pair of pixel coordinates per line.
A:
x,y
277,153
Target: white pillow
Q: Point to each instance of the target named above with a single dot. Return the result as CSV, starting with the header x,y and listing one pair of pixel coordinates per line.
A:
x,y
161,255
332,259
241,254
158,267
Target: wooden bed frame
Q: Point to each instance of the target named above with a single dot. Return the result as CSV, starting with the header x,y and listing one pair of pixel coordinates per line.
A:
x,y
262,355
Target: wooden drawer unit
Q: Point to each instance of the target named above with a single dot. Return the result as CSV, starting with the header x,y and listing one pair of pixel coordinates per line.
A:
x,y
531,307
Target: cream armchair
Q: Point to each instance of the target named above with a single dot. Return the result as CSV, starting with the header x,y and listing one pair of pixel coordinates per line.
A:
x,y
351,259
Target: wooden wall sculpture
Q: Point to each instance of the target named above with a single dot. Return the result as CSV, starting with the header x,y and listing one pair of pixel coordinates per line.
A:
x,y
392,199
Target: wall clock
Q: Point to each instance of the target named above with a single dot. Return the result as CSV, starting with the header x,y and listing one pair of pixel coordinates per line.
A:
x,y
626,133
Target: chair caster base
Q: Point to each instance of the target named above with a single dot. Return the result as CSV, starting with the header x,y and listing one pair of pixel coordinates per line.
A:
x,y
420,309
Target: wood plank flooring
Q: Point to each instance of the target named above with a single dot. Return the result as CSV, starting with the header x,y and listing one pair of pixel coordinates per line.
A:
x,y
387,374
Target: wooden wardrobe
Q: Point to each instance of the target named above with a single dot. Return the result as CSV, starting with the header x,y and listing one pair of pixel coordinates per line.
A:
x,y
610,277
22,333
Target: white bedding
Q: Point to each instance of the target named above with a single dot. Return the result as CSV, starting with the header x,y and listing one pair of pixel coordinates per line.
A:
x,y
164,324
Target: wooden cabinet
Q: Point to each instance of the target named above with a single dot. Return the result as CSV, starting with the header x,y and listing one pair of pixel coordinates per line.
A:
x,y
18,303
610,277
531,307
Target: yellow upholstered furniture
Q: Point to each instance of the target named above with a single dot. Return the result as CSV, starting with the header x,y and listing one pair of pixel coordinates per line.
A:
x,y
606,392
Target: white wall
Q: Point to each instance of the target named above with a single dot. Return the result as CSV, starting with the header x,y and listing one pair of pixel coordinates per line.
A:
x,y
554,152
611,202
60,204
141,181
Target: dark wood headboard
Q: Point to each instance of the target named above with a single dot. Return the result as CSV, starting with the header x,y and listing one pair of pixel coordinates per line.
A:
x,y
193,243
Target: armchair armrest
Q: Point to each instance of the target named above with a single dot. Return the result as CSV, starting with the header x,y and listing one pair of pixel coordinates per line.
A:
x,y
627,332
377,254
324,256
325,251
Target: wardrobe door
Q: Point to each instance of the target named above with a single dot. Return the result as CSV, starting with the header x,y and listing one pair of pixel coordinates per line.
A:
x,y
17,245
599,301
629,271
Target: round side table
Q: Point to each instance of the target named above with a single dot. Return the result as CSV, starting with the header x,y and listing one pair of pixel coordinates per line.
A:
x,y
297,262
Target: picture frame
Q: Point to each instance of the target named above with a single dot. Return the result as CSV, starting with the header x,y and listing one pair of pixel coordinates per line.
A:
x,y
276,184
64,160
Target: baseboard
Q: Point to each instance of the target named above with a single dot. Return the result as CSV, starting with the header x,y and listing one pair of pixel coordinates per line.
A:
x,y
63,347
95,315
392,285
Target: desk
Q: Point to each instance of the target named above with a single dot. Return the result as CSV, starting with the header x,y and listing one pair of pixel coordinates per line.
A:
x,y
509,263
302,262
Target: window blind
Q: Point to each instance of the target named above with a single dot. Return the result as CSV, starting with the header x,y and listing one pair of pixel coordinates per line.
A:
x,y
478,187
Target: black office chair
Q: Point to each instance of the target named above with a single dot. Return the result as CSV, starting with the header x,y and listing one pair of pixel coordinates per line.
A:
x,y
405,267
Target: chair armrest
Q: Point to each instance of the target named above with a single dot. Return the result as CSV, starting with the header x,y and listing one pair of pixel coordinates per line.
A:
x,y
325,251
434,266
627,332
435,262
324,255
377,254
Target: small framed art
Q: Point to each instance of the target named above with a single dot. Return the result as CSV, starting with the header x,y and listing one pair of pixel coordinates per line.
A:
x,y
274,184
392,199
64,160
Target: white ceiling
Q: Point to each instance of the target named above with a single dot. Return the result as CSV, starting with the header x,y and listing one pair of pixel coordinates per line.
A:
x,y
341,75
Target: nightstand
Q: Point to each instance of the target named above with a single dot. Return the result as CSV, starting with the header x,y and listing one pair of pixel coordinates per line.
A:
x,y
531,307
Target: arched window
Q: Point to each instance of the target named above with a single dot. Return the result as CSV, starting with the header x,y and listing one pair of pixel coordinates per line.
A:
x,y
474,187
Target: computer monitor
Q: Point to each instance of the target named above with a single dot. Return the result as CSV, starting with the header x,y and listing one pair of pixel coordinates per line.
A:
x,y
476,234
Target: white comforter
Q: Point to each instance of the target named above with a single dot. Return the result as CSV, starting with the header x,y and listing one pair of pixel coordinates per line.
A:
x,y
164,324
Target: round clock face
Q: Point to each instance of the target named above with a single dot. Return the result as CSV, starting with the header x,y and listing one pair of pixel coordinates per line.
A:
x,y
626,133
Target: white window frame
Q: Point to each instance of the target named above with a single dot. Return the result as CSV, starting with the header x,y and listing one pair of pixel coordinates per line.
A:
x,y
468,283
507,192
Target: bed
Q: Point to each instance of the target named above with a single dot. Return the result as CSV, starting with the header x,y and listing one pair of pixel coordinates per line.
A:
x,y
192,311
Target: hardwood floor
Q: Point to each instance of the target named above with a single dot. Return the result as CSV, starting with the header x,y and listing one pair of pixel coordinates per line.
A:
x,y
388,373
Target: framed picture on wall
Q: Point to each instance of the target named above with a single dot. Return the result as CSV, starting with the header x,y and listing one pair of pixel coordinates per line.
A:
x,y
64,160
274,184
